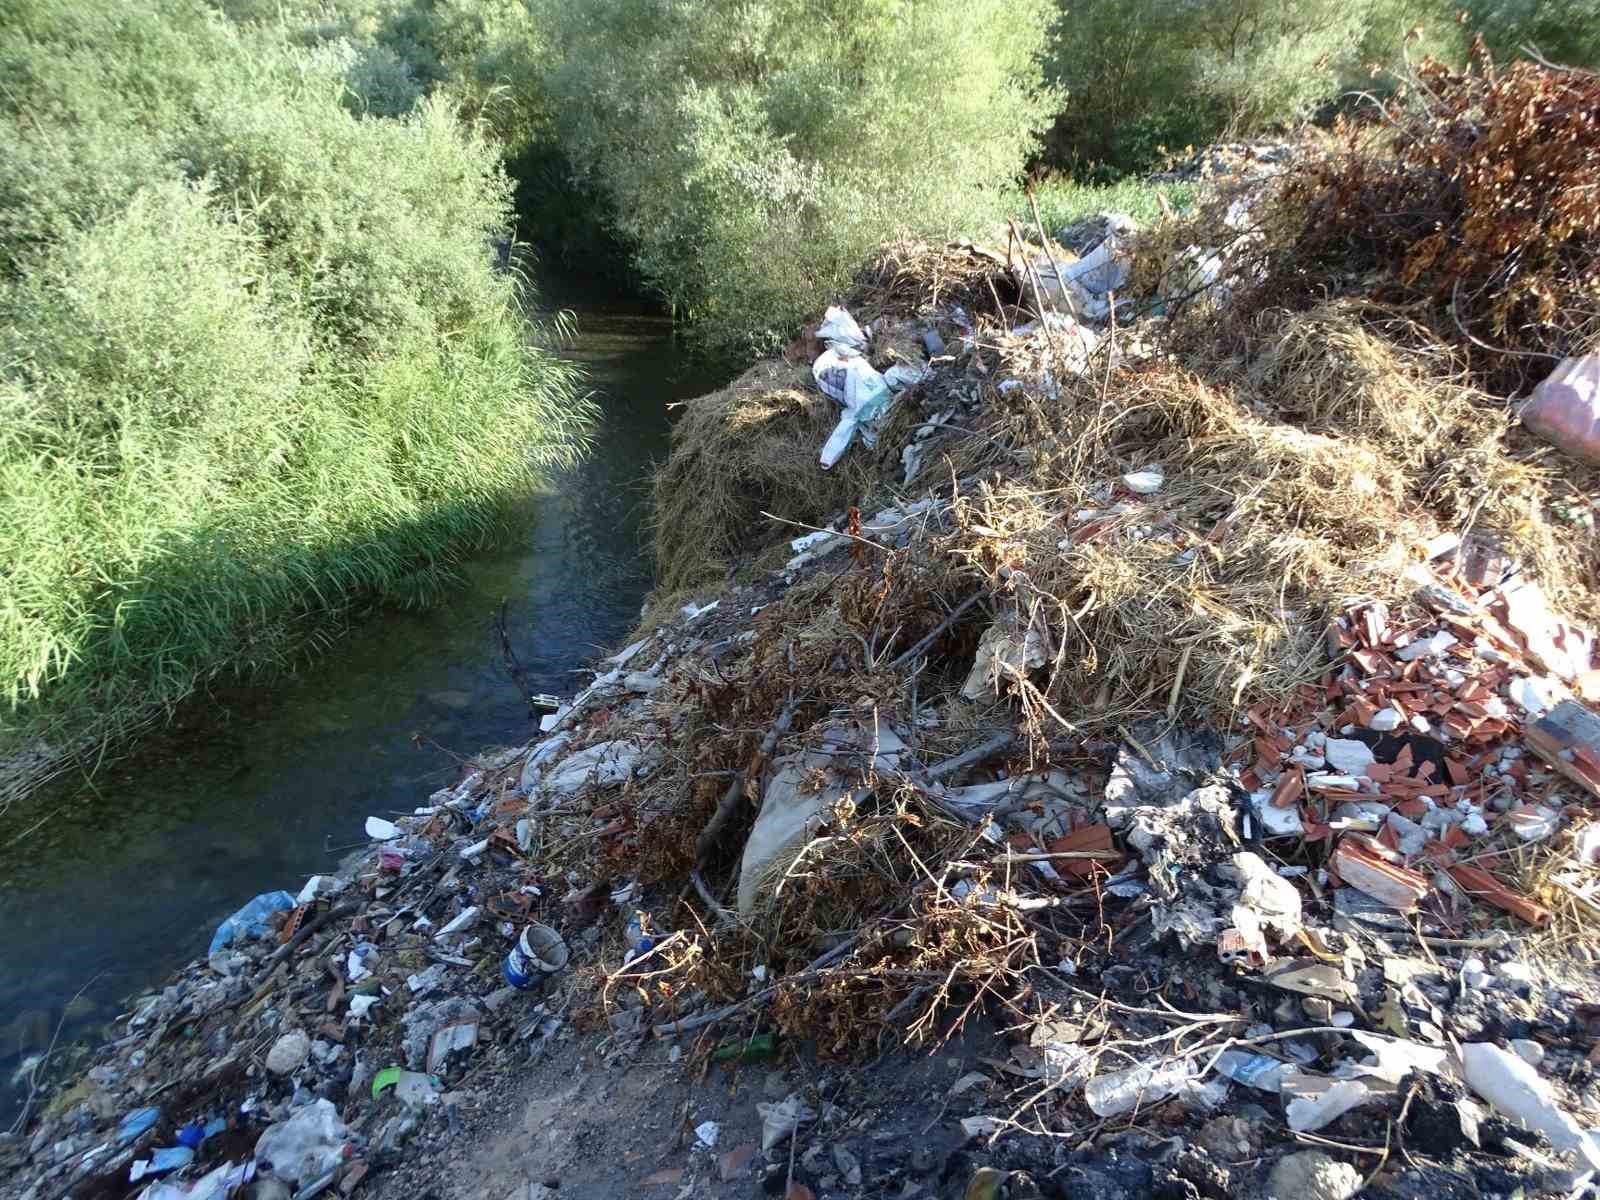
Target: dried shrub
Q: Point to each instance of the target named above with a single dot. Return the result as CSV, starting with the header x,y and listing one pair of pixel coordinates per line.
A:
x,y
1477,197
736,453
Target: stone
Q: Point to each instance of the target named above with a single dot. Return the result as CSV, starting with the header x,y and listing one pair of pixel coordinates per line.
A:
x,y
1312,1175
985,1184
1528,1051
1349,756
289,1053
735,1164
848,1164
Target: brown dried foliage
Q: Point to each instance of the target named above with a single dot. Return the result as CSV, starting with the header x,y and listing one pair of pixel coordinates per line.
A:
x,y
1479,198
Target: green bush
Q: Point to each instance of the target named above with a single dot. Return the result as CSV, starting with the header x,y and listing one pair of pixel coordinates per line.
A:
x,y
255,364
752,153
1563,31
1146,78
1063,202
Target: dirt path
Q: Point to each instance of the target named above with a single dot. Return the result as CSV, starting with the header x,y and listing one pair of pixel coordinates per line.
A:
x,y
588,1129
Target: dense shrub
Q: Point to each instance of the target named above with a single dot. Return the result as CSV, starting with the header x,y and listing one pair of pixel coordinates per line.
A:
x,y
753,152
1148,77
1475,201
255,365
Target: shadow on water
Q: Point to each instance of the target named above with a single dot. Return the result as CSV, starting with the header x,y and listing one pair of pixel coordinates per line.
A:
x,y
255,788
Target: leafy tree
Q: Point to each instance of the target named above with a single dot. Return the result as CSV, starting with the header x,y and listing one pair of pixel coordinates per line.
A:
x,y
752,152
256,366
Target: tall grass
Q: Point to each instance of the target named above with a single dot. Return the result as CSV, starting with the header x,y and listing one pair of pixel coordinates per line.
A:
x,y
255,365
1063,201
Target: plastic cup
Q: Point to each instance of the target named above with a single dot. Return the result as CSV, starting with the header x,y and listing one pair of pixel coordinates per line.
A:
x,y
539,953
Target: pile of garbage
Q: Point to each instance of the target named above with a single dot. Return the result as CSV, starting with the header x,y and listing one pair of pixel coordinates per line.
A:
x,y
330,1032
1219,725
1224,159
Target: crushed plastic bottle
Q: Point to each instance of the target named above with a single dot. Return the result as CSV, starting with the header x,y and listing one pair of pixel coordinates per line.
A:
x,y
1119,1092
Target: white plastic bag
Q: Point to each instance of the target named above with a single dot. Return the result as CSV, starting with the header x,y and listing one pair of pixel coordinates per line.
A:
x,y
307,1145
840,331
852,381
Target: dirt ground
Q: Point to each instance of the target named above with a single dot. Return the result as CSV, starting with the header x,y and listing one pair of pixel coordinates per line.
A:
x,y
589,1129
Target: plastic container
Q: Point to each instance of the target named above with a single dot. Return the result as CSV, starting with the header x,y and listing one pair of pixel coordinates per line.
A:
x,y
1119,1092
539,953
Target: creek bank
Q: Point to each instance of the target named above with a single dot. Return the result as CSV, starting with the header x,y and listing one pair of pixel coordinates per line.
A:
x,y
1160,719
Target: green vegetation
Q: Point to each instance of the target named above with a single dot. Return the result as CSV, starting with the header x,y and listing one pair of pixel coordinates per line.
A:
x,y
753,154
1147,77
255,364
1062,201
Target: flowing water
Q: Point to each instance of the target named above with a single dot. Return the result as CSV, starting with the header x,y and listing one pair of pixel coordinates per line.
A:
x,y
256,788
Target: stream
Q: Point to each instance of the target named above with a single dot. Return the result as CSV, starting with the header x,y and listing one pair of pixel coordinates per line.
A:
x,y
255,788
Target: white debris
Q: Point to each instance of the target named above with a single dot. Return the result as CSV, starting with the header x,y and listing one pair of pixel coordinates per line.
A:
x,y
1429,647
1516,1090
463,920
1348,756
1003,650
781,1119
1532,696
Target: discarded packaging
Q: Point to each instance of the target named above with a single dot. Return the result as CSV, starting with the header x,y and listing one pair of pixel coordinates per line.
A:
x,y
539,953
1119,1092
1565,408
307,1145
840,331
780,1119
1252,1070
852,381
460,1036
250,921
1312,1101
1516,1089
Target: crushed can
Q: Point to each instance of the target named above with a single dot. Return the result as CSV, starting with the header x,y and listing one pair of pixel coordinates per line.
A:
x,y
539,953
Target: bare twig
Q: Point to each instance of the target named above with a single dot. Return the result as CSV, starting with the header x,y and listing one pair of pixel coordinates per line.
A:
x,y
21,1122
707,841
939,631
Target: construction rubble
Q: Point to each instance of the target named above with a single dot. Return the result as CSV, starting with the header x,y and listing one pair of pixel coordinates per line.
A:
x,y
1216,725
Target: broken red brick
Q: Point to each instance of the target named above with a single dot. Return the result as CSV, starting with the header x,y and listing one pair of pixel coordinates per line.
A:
x,y
1481,885
1364,863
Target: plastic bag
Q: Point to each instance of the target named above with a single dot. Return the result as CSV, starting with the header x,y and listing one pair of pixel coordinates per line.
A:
x,y
1086,282
852,381
840,331
1565,408
307,1145
250,921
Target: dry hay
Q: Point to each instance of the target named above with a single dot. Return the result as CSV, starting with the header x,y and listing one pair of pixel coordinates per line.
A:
x,y
1361,369
1305,473
736,453
752,447
907,278
1309,451
1469,204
